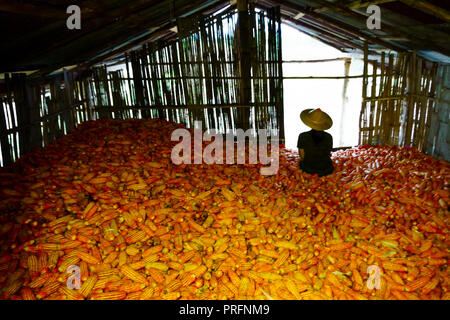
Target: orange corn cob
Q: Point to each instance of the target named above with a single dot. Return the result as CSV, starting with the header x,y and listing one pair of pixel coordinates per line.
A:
x,y
195,226
132,274
111,257
88,285
430,285
27,294
134,295
147,293
87,257
48,289
152,251
14,287
152,258
394,267
418,283
187,256
112,295
235,280
156,275
131,287
187,279
33,264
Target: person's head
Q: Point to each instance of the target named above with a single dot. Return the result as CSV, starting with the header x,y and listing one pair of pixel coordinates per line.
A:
x,y
316,119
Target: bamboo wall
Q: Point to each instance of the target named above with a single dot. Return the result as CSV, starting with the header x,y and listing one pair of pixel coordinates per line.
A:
x,y
197,77
398,98
34,113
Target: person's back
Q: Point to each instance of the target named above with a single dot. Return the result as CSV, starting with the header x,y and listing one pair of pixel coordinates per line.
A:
x,y
316,147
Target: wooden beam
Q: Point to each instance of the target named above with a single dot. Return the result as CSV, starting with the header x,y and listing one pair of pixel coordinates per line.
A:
x,y
112,34
429,8
364,4
33,9
362,18
340,25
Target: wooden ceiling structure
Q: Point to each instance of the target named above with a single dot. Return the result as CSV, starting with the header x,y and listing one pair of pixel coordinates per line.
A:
x,y
35,36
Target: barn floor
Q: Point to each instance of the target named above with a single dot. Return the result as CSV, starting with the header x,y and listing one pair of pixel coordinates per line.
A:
x,y
107,199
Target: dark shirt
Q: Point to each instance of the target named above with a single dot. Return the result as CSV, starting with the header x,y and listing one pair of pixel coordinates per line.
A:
x,y
317,146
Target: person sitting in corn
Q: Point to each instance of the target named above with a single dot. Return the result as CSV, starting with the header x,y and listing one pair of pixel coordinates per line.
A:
x,y
314,146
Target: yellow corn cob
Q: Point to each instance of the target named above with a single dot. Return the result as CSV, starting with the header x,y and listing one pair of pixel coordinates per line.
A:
x,y
122,258
131,287
286,245
87,257
66,263
239,253
174,285
147,293
171,296
198,272
132,274
157,265
112,295
243,286
219,256
281,259
254,275
53,258
230,286
88,285
48,289
43,260
38,282
289,268
270,276
70,294
134,295
107,273
175,265
132,250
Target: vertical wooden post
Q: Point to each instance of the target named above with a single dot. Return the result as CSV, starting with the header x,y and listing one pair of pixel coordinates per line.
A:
x,y
363,115
410,99
344,101
244,62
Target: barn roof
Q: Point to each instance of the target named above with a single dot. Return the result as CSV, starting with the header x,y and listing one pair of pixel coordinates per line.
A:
x,y
37,38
